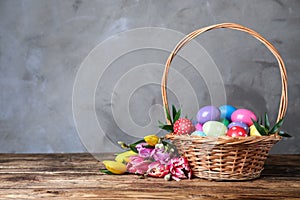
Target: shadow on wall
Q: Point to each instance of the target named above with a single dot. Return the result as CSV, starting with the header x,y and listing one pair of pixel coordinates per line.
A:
x,y
249,98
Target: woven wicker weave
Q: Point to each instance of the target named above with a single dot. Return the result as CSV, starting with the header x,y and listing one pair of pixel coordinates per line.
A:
x,y
226,158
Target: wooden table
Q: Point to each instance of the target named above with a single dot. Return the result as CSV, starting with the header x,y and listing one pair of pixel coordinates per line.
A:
x,y
30,176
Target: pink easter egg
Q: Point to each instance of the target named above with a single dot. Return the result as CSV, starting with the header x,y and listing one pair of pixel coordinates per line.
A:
x,y
199,127
243,115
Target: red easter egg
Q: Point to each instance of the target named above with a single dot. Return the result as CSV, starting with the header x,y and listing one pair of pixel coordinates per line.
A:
x,y
236,131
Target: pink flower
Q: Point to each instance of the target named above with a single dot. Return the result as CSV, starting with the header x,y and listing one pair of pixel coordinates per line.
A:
x,y
157,169
159,154
137,165
144,152
180,169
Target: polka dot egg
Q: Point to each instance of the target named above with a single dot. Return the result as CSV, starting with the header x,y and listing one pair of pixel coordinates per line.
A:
x,y
183,126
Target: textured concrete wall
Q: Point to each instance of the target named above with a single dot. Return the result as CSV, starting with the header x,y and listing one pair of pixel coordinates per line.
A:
x,y
42,44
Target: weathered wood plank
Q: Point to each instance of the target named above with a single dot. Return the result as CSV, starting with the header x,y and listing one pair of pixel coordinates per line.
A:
x,y
77,175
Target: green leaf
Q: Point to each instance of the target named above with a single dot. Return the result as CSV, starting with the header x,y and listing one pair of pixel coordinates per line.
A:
x,y
267,122
284,134
167,127
132,146
277,126
160,124
168,115
177,116
259,120
260,129
106,171
149,146
138,142
164,142
174,112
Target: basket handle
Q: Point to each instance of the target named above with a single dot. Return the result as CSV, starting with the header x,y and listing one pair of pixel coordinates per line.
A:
x,y
192,35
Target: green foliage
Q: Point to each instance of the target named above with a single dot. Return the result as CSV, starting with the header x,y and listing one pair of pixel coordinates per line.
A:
x,y
259,128
133,146
265,128
175,116
267,122
106,171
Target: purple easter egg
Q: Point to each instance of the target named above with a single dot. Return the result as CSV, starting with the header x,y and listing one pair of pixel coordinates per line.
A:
x,y
243,115
240,124
208,113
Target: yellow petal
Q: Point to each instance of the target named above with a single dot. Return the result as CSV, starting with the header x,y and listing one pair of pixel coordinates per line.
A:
x,y
152,140
124,157
254,131
115,167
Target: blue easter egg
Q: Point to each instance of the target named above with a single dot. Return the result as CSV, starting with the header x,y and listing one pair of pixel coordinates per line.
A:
x,y
199,133
226,111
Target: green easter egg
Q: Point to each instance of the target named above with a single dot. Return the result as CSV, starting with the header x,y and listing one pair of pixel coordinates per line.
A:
x,y
214,129
225,121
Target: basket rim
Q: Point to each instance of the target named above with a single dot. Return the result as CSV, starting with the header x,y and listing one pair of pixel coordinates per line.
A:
x,y
224,140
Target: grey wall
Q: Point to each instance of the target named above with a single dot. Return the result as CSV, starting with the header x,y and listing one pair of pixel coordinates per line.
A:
x,y
42,44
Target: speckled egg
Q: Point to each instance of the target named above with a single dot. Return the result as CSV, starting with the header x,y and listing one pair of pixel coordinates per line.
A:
x,y
236,131
240,124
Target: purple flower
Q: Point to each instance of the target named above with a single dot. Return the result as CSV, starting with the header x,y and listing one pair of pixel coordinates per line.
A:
x,y
137,165
143,151
159,154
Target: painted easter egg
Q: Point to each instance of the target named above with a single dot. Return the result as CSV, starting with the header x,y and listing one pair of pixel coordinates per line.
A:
x,y
208,113
236,131
254,131
243,115
199,127
226,111
198,133
214,128
224,121
240,124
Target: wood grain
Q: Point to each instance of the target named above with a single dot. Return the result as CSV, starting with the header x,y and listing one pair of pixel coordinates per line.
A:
x,y
47,176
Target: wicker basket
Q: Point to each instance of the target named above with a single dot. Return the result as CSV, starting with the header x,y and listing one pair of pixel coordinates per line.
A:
x,y
226,158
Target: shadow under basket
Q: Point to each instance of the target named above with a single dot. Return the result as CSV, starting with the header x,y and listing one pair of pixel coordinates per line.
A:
x,y
225,158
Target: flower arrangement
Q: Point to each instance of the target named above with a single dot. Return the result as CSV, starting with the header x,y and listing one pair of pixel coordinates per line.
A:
x,y
151,156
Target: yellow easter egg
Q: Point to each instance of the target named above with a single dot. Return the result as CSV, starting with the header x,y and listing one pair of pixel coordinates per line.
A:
x,y
254,131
